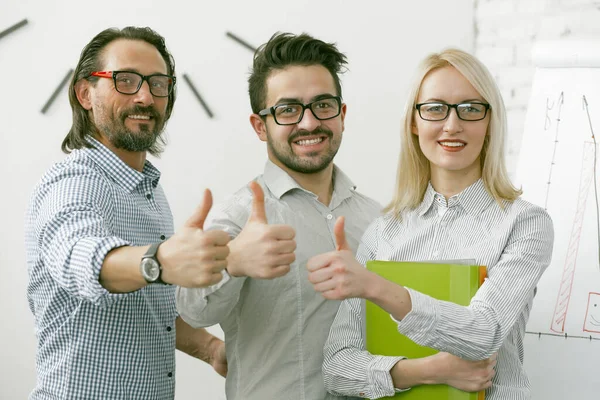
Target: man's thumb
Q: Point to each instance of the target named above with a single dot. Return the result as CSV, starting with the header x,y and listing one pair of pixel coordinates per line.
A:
x,y
340,235
258,213
197,219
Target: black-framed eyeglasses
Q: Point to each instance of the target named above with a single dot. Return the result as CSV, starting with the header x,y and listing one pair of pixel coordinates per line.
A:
x,y
435,111
292,113
129,82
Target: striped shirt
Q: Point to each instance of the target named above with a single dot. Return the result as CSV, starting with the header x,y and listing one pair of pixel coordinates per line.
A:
x,y
514,242
93,344
275,329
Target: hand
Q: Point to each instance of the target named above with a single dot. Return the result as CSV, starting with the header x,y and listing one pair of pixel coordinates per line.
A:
x,y
337,275
470,376
261,250
192,257
218,359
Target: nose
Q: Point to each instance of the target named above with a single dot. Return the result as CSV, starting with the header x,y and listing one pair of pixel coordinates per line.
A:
x,y
453,124
308,122
143,96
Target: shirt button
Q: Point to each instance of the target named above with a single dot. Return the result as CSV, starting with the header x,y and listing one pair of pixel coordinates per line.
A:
x,y
436,253
168,329
149,196
329,216
162,237
170,374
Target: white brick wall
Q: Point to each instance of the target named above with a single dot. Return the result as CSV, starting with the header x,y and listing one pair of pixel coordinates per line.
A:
x,y
505,32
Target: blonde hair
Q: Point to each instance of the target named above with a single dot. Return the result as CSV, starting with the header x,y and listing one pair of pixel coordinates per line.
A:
x,y
413,167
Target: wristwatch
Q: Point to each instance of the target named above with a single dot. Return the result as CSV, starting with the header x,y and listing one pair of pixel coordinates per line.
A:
x,y
150,267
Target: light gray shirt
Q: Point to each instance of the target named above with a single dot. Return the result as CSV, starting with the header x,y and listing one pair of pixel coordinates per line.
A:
x,y
514,242
275,329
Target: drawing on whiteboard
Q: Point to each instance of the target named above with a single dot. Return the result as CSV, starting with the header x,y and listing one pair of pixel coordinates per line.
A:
x,y
587,111
566,282
547,125
592,314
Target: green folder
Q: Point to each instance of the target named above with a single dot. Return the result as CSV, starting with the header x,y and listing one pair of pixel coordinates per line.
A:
x,y
453,282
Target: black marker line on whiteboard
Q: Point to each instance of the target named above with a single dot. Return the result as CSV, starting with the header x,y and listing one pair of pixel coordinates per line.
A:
x,y
587,110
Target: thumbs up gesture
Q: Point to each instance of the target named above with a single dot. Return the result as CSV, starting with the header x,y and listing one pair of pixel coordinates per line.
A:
x,y
337,275
193,257
261,250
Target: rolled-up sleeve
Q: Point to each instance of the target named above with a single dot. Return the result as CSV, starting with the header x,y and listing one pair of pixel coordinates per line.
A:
x,y
348,369
71,229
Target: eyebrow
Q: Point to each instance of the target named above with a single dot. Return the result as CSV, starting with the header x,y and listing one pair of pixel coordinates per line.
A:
x,y
461,102
287,100
138,71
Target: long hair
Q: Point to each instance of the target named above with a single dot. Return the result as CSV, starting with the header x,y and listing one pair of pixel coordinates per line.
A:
x,y
90,61
285,49
414,171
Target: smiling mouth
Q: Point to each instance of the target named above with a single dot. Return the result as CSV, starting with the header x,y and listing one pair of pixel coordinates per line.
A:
x,y
453,144
595,321
140,117
309,140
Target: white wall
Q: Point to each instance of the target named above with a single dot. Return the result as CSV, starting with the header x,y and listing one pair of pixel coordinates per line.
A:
x,y
505,31
384,40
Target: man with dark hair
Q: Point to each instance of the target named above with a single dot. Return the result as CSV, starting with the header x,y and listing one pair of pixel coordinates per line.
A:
x,y
101,252
275,328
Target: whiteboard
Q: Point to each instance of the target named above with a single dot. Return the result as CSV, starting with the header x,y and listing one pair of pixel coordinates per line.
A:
x,y
558,171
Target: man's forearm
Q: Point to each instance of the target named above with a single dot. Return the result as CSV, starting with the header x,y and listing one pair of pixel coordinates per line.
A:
x,y
120,271
196,342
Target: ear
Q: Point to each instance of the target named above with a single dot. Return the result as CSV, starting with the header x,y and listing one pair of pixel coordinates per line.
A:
x,y
82,91
413,127
259,126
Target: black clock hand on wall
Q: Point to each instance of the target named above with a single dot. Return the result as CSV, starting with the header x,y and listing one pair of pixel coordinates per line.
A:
x,y
13,28
240,41
187,79
57,91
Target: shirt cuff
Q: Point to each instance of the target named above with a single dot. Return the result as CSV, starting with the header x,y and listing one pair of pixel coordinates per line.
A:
x,y
87,258
422,319
379,377
211,289
194,299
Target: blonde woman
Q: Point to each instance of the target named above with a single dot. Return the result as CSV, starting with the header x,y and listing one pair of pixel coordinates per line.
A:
x,y
453,200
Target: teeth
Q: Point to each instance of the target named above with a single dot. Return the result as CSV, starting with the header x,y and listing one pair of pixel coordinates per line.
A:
x,y
139,116
308,142
452,144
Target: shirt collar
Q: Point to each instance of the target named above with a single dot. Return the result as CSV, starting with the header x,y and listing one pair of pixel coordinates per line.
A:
x,y
427,200
121,173
474,199
280,182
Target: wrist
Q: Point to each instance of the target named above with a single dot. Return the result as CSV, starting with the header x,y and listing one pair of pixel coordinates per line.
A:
x,y
214,345
430,371
162,256
411,372
234,267
372,287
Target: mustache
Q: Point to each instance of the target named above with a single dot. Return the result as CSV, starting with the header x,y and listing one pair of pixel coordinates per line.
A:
x,y
304,133
151,111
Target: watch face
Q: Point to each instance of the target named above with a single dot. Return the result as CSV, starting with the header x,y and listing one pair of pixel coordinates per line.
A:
x,y
150,269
